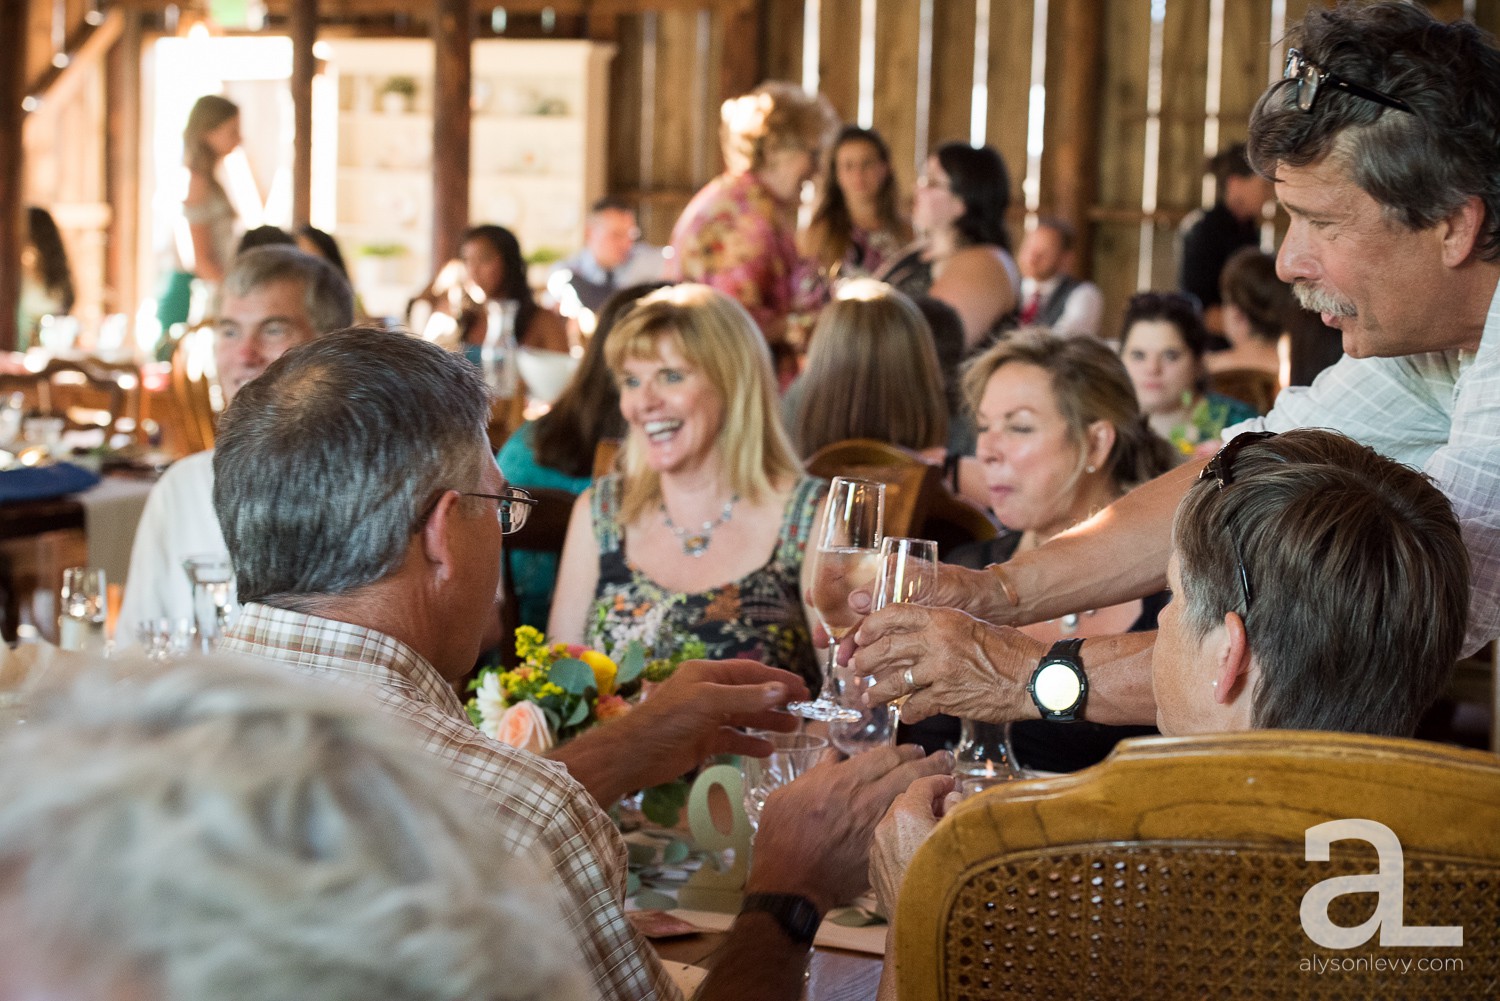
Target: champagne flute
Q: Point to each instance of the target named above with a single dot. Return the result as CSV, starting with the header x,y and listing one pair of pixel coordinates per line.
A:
x,y
908,569
848,549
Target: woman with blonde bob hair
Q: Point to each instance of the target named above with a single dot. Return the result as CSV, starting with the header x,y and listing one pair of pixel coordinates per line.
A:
x,y
872,372
702,535
738,234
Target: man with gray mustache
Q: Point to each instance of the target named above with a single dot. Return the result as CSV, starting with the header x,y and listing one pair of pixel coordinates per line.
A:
x,y
1383,141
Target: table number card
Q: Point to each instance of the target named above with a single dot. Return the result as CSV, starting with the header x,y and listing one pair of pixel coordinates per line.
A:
x,y
712,888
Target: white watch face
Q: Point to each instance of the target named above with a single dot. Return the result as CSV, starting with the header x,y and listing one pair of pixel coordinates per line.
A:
x,y
1057,687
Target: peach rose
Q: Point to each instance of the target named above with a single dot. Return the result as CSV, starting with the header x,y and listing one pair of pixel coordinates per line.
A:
x,y
524,725
610,707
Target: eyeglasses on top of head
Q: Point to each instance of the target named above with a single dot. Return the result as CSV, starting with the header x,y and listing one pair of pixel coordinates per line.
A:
x,y
1310,78
1221,469
512,508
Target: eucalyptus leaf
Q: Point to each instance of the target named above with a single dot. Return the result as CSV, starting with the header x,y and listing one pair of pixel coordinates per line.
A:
x,y
632,663
579,714
854,917
572,676
663,804
676,851
652,900
632,883
641,853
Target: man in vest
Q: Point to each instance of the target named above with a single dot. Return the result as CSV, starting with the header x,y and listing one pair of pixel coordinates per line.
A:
x,y
1050,296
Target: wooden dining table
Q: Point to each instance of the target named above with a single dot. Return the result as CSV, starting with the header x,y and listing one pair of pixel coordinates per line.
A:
x,y
834,974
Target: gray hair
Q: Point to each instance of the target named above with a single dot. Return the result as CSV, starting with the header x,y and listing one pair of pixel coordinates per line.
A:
x,y
324,464
1419,167
326,296
223,830
1359,580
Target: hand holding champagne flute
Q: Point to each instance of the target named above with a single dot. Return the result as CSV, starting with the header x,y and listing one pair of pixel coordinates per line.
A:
x,y
908,569
846,559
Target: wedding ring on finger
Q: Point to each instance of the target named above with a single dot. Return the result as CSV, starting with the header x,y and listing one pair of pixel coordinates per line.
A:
x,y
911,683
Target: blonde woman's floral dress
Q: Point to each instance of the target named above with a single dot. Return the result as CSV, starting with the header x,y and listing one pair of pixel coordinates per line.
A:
x,y
759,616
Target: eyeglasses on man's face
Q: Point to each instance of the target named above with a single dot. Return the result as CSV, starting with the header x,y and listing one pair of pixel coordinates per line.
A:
x,y
512,507
1310,78
1221,468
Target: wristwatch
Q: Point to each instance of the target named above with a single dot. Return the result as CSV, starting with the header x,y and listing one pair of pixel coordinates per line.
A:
x,y
1058,685
798,916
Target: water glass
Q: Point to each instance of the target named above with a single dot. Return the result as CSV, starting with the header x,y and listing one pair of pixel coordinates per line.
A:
x,y
84,603
792,754
164,639
876,725
212,578
983,757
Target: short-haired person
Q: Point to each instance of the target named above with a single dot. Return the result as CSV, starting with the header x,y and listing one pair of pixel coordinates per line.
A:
x,y
738,233
272,299
219,830
1315,586
364,513
1392,182
1208,238
1051,296
613,257
1258,309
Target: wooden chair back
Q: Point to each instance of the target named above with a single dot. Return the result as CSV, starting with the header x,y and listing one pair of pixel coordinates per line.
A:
x,y
544,532
1254,386
89,394
1177,869
909,481
194,394
953,521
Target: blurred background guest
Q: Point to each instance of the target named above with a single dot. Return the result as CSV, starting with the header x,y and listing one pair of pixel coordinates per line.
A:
x,y
856,227
1208,238
962,255
1256,311
556,451
613,257
704,533
207,248
872,372
1060,438
738,234
264,236
320,243
492,257
1050,296
46,277
1162,342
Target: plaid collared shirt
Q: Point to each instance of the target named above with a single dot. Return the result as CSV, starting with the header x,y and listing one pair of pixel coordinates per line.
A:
x,y
541,808
1438,412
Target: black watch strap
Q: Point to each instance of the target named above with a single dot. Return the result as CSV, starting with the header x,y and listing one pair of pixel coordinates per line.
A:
x,y
798,916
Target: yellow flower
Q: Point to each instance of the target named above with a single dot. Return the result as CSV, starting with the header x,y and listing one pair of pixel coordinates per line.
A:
x,y
604,671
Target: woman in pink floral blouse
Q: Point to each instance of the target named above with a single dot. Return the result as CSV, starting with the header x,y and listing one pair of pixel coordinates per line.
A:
x,y
739,233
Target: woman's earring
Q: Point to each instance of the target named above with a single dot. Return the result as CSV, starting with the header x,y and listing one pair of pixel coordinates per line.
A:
x,y
1092,469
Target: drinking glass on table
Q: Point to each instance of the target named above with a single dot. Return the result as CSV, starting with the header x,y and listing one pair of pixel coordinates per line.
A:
x,y
845,559
213,597
792,754
908,569
80,624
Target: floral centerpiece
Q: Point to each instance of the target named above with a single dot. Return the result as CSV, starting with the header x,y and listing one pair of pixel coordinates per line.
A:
x,y
559,690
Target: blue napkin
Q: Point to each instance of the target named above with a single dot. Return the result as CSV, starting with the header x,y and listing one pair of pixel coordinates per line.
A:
x,y
44,482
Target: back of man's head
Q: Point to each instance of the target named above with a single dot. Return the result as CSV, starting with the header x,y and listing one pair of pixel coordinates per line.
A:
x,y
324,465
225,831
1357,576
326,296
1420,166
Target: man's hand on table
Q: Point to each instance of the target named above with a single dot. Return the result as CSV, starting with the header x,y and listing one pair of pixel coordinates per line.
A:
x,y
688,718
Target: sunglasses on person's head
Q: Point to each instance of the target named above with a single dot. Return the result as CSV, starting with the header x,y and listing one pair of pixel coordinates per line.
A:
x,y
1310,78
1221,469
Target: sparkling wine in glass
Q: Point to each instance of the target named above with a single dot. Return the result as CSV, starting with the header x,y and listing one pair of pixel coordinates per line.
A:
x,y
907,571
846,559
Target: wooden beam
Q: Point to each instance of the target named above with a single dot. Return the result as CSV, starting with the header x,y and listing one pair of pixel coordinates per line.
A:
x,y
304,25
13,25
122,165
1070,150
85,48
739,64
452,44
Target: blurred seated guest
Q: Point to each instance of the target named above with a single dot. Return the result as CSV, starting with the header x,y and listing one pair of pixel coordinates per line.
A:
x,y
492,258
1257,308
704,533
1364,643
948,339
1050,296
738,234
1060,438
1162,342
265,236
962,254
856,227
1209,238
366,540
613,257
273,299
46,277
556,451
249,836
320,243
872,372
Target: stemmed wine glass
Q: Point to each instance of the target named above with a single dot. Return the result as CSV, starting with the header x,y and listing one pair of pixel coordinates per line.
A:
x,y
846,559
